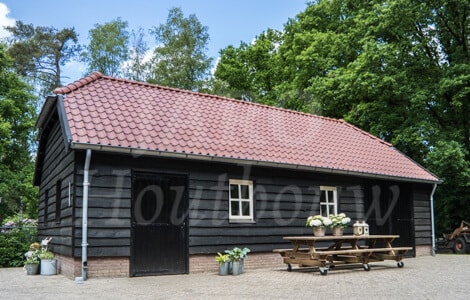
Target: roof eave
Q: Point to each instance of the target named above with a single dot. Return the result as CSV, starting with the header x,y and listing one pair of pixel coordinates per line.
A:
x,y
223,159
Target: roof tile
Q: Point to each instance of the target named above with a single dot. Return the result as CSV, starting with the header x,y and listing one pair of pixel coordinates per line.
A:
x,y
140,115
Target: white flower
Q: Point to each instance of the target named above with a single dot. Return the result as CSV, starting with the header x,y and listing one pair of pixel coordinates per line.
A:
x,y
327,221
346,220
315,223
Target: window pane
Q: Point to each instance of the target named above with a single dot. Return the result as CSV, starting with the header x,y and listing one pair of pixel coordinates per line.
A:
x,y
235,208
322,196
245,208
234,191
323,210
245,194
330,197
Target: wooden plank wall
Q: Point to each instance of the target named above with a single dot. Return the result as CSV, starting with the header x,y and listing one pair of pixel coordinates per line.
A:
x,y
58,167
422,214
283,200
109,208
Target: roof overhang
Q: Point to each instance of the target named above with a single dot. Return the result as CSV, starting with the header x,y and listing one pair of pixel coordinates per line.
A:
x,y
233,160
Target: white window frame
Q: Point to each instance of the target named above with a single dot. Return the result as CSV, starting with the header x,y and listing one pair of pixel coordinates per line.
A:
x,y
327,202
241,218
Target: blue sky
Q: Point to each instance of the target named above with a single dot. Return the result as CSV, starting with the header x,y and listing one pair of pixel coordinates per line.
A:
x,y
229,22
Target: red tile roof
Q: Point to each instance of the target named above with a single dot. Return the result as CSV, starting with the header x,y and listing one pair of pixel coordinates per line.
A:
x,y
122,115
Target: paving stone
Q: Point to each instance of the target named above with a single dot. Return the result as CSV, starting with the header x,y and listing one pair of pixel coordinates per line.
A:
x,y
443,276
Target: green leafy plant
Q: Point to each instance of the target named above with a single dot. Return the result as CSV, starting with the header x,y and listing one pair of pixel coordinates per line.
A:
x,y
222,258
32,257
46,254
14,244
237,254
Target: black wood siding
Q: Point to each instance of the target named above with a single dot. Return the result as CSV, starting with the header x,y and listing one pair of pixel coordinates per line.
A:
x,y
109,206
283,201
422,214
58,166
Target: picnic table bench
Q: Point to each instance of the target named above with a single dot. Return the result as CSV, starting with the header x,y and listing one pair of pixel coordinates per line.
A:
x,y
347,249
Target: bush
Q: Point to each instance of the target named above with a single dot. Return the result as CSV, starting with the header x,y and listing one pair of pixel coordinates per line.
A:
x,y
15,243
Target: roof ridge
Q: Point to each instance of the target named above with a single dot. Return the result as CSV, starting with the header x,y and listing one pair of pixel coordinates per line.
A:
x,y
97,75
78,83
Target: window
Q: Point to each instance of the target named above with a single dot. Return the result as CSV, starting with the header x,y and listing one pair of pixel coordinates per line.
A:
x,y
328,201
241,200
58,201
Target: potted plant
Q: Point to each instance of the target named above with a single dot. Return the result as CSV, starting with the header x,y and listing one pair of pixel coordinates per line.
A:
x,y
48,262
224,262
31,264
243,256
237,257
338,223
319,224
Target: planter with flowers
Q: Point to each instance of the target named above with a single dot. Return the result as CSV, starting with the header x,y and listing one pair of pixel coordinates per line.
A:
x,y
48,262
319,224
338,223
31,265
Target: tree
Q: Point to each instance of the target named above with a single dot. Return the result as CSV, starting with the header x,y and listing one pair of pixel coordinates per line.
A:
x,y
108,48
448,160
251,69
135,67
17,117
179,60
39,52
397,68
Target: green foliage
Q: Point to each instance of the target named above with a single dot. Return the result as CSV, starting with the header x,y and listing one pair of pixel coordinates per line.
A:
x,y
32,257
179,60
237,254
15,243
397,68
222,258
250,70
135,68
108,48
39,52
46,254
17,117
447,160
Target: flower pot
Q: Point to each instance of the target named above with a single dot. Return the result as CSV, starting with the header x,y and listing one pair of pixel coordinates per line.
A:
x,y
236,268
319,231
31,269
337,231
223,268
48,266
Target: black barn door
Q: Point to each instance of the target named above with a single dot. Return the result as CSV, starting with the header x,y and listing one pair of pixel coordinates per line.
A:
x,y
159,224
390,211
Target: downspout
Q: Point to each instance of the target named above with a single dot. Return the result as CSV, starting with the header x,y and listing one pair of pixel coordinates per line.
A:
x,y
432,221
86,184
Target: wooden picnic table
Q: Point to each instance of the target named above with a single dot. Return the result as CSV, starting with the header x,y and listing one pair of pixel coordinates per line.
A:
x,y
346,249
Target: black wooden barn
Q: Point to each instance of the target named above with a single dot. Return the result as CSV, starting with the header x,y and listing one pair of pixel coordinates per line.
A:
x,y
138,179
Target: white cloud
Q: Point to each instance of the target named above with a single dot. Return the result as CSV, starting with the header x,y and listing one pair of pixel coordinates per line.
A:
x,y
5,20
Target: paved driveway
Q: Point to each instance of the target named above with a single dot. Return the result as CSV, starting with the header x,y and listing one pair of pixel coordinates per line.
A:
x,y
444,276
